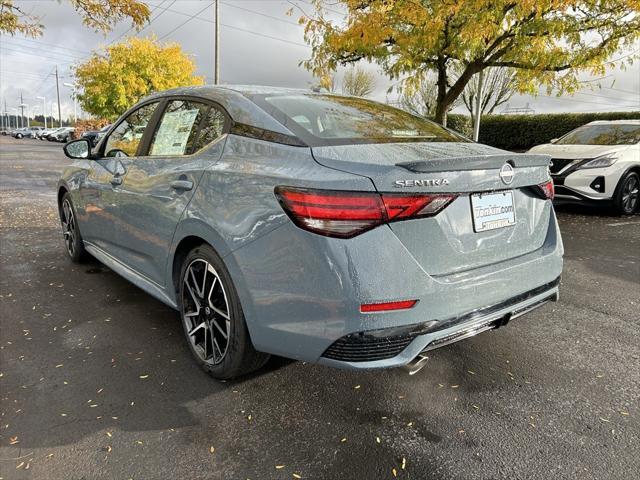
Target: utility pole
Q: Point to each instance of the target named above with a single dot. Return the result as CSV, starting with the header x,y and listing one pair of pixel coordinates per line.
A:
x,y
58,93
476,126
216,72
21,111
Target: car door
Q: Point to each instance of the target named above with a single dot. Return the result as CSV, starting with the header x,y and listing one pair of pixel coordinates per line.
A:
x,y
158,185
100,190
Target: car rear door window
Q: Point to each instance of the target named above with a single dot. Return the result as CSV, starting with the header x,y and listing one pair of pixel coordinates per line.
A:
x,y
126,138
185,128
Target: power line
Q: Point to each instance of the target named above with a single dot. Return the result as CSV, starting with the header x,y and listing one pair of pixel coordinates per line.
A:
x,y
52,56
191,17
44,43
150,22
261,14
232,27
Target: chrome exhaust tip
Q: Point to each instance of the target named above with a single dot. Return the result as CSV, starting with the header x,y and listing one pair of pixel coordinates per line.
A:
x,y
415,365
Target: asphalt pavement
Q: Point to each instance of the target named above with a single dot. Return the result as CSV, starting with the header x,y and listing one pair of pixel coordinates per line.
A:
x,y
97,382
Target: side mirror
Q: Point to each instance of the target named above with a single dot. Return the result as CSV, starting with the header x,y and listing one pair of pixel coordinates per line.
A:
x,y
78,149
553,140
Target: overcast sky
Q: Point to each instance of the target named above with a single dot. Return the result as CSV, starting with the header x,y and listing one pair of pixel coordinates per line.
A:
x,y
260,44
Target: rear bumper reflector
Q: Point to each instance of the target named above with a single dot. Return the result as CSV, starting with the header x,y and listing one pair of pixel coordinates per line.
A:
x,y
388,306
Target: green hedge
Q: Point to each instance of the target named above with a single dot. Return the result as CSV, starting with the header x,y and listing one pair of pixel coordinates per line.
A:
x,y
521,132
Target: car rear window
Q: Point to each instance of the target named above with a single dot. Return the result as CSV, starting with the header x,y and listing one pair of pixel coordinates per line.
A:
x,y
321,120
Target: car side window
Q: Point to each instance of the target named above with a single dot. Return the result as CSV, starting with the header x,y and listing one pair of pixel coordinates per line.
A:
x,y
185,128
126,137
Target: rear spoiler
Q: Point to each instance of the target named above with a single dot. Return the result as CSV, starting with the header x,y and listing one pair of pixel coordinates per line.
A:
x,y
476,162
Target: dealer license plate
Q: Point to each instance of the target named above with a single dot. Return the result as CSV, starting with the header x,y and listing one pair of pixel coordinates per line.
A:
x,y
492,210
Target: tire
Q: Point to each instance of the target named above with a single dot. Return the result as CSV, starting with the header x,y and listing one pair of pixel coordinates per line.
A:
x,y
70,231
627,197
18,136
209,307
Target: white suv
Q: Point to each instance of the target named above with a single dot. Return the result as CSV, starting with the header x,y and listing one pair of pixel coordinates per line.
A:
x,y
598,163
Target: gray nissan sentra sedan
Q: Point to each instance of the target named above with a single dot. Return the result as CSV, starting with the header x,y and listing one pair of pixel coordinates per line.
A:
x,y
317,227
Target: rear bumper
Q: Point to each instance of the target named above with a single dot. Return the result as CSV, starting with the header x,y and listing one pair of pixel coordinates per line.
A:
x,y
301,294
391,347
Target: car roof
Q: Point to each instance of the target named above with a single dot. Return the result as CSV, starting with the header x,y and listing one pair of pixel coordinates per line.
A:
x,y
615,122
235,99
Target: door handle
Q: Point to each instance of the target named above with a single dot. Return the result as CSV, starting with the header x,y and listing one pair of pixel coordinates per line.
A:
x,y
182,185
116,180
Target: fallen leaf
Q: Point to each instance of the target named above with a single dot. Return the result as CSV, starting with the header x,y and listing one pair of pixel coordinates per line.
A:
x,y
393,470
377,439
295,475
404,463
344,439
279,467
212,449
357,387
13,440
144,376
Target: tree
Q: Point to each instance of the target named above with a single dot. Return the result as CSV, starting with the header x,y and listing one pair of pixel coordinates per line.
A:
x,y
358,82
547,42
111,82
422,99
498,86
101,15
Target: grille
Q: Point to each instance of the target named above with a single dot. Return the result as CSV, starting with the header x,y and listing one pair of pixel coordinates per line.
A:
x,y
360,347
558,164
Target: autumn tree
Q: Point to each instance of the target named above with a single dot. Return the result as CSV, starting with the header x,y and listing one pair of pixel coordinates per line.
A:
x,y
498,86
113,80
101,15
358,82
547,42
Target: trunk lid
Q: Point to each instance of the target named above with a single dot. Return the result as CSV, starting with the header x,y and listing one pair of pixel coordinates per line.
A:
x,y
447,243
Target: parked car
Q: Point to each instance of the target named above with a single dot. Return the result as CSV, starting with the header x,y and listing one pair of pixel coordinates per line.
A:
x,y
63,134
50,134
32,132
41,133
20,132
94,136
318,227
598,163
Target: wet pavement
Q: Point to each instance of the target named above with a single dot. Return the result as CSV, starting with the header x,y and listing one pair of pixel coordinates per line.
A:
x,y
97,382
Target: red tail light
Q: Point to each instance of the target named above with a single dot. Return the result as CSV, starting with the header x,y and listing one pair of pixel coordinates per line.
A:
x,y
547,190
385,307
346,214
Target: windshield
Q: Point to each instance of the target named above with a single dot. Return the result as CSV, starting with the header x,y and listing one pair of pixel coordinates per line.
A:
x,y
335,120
612,134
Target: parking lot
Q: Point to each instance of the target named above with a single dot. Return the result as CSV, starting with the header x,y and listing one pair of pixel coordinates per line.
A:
x,y
97,382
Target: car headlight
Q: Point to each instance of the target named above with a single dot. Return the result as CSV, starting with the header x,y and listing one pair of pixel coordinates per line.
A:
x,y
600,162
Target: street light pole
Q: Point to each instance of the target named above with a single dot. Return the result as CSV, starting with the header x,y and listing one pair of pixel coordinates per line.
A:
x,y
44,110
75,100
23,105
216,72
58,92
476,126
